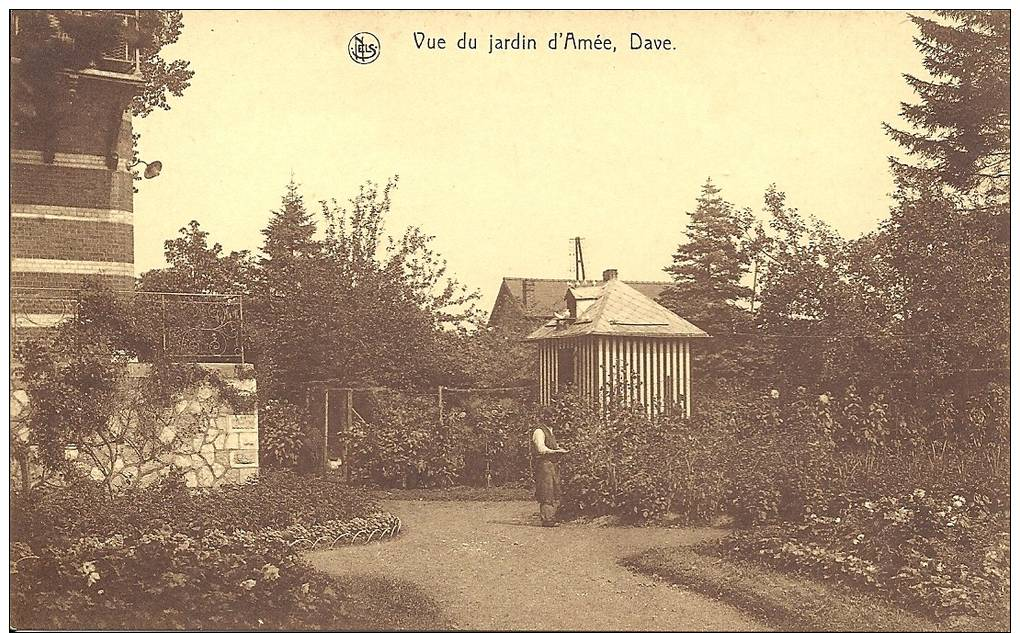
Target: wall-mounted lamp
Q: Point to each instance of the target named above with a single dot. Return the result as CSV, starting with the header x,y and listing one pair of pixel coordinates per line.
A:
x,y
151,169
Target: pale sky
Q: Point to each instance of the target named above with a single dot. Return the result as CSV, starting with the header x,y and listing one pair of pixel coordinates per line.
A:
x,y
504,157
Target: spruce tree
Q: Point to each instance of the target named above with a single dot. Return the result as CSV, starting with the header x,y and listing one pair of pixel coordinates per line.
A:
x,y
284,311
708,265
706,270
289,246
950,230
959,130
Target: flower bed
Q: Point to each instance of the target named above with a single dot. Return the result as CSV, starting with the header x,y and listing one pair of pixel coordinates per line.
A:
x,y
216,559
274,500
935,552
376,526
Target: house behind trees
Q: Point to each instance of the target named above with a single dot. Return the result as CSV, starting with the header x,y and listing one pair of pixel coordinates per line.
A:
x,y
527,303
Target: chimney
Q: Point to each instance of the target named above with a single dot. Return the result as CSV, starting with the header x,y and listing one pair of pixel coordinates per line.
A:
x,y
527,289
608,274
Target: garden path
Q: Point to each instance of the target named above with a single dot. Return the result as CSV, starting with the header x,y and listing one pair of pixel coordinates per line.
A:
x,y
491,566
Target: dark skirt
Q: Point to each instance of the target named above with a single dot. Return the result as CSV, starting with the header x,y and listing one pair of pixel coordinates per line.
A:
x,y
547,481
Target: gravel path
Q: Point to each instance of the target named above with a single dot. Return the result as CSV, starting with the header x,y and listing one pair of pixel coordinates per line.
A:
x,y
491,566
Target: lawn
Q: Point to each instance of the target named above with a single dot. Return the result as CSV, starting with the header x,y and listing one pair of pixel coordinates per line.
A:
x,y
788,601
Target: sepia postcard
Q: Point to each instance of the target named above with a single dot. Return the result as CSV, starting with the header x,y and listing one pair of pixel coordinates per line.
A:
x,y
608,320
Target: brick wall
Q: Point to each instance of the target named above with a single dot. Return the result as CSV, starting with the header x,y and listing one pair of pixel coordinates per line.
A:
x,y
72,239
67,280
71,212
97,188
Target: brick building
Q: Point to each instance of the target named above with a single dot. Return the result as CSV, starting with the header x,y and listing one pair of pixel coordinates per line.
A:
x,y
71,185
71,193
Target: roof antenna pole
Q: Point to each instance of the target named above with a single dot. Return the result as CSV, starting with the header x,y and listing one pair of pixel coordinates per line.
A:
x,y
578,260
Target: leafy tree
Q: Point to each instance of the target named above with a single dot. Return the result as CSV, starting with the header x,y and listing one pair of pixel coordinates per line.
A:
x,y
204,269
161,78
799,259
355,307
195,266
949,233
50,43
486,358
707,287
398,294
828,308
865,309
956,288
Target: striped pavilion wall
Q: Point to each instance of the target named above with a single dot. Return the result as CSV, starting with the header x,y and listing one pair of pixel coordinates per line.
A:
x,y
71,214
659,370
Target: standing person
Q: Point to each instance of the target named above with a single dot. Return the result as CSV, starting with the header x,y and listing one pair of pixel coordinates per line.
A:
x,y
545,452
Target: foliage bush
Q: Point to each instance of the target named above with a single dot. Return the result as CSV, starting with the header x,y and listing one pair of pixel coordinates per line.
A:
x,y
275,499
498,440
776,457
80,394
167,579
785,457
282,432
164,557
931,551
850,489
761,460
621,463
399,441
405,439
778,463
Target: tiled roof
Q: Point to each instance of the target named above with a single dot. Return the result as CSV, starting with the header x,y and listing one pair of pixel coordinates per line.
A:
x,y
621,310
546,297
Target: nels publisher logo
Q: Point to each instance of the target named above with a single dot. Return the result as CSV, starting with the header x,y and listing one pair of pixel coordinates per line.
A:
x,y
364,48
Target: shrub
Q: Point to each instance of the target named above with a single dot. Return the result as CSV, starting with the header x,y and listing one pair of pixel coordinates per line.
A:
x,y
80,394
404,438
974,471
167,557
938,551
275,499
399,441
924,521
622,463
165,575
168,579
770,458
482,440
497,441
762,460
779,463
282,432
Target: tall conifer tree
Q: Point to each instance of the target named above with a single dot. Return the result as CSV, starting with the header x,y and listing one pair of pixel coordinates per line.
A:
x,y
950,230
707,269
708,265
